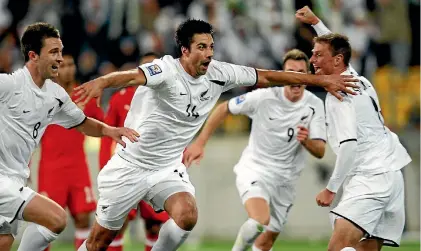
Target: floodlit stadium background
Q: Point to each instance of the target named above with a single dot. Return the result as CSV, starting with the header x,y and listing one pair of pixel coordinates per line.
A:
x,y
109,35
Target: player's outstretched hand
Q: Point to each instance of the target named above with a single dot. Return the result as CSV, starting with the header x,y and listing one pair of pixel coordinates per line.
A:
x,y
302,134
306,16
339,83
193,153
89,90
116,133
325,198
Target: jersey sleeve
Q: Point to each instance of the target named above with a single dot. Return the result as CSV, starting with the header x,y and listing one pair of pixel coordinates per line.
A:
x,y
231,75
7,85
69,115
156,73
245,104
344,120
318,123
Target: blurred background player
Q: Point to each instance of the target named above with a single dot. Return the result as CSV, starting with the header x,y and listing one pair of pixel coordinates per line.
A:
x,y
117,111
286,122
63,160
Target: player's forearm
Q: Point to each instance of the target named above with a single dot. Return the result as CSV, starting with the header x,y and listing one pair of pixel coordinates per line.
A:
x,y
121,79
320,28
214,120
344,164
316,147
92,127
279,78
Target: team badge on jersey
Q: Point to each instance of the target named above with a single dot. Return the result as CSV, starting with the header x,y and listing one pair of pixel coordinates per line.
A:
x,y
154,69
240,99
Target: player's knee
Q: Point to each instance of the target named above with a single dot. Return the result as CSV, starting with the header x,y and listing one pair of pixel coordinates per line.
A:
x,y
58,221
187,218
263,219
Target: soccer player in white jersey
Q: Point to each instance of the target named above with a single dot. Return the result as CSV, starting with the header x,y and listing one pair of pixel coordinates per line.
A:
x,y
287,121
370,157
29,102
181,94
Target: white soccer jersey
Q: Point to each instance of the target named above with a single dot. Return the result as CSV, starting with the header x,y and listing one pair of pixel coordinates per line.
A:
x,y
358,118
169,113
273,150
26,110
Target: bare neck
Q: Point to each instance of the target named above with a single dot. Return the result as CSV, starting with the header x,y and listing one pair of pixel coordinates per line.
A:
x,y
188,68
340,70
35,74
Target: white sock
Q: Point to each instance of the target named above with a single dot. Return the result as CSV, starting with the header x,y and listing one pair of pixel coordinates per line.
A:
x,y
83,247
254,248
249,231
36,238
348,249
170,237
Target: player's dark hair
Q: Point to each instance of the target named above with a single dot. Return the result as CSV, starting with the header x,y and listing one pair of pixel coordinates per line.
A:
x,y
33,38
296,54
151,54
339,44
187,29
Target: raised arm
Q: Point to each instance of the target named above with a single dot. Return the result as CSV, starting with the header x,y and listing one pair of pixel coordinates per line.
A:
x,y
307,16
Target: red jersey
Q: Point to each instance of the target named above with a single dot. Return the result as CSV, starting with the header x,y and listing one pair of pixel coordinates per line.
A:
x,y
63,147
117,111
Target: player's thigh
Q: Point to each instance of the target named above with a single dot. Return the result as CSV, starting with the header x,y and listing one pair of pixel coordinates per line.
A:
x,y
174,193
6,241
81,195
370,245
282,199
45,212
8,233
345,234
392,221
255,197
363,201
13,198
266,240
121,186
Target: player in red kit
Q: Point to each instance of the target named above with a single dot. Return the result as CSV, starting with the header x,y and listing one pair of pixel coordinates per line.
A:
x,y
63,170
118,108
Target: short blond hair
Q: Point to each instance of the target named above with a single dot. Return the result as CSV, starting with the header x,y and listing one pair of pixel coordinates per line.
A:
x,y
296,54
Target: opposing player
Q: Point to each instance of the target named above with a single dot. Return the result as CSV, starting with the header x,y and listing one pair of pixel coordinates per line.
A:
x,y
29,101
287,121
118,108
370,157
181,93
63,170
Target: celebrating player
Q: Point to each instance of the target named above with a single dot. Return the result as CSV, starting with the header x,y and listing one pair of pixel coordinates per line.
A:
x,y
370,157
63,170
181,93
30,101
286,122
118,108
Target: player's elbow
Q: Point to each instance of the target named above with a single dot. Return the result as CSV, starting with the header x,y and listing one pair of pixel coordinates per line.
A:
x,y
320,153
263,78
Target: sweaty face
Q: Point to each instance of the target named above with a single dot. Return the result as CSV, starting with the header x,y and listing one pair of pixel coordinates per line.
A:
x,y
322,59
200,53
295,92
50,58
67,70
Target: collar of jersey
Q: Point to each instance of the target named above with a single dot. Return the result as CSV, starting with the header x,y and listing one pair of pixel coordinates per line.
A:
x,y
347,72
189,77
32,83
